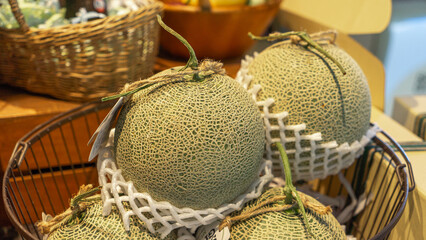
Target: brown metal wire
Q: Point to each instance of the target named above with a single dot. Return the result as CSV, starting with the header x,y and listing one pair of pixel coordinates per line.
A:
x,y
50,163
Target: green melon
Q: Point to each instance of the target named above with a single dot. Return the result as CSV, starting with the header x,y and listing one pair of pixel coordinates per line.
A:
x,y
194,139
193,144
95,226
283,213
312,89
284,225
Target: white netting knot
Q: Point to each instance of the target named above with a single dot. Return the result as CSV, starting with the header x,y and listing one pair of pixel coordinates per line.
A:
x,y
315,160
163,217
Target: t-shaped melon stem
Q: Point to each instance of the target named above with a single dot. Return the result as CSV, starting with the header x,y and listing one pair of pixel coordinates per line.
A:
x,y
192,61
305,37
289,188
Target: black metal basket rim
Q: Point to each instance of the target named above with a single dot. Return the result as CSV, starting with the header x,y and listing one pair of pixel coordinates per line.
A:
x,y
42,129
57,121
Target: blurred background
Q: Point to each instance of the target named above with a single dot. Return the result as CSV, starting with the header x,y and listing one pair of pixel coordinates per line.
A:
x,y
400,48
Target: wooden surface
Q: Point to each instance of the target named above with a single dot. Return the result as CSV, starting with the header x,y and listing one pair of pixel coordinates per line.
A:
x,y
20,112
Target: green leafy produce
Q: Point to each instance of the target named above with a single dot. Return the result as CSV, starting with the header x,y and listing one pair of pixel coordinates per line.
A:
x,y
37,14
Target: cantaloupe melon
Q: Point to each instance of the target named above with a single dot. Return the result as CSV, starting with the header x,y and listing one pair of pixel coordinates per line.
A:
x,y
95,226
285,225
312,89
194,143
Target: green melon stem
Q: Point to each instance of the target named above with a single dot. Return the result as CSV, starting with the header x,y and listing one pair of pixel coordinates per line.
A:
x,y
305,37
289,188
193,61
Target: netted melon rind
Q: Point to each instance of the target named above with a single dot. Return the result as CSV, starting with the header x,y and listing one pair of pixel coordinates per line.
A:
x,y
310,157
193,144
95,226
309,87
283,225
116,191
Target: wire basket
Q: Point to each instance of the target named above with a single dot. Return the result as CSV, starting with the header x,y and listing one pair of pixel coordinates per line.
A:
x,y
81,62
50,163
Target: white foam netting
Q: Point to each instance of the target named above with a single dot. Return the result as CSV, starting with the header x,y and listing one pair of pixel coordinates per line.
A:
x,y
318,160
165,216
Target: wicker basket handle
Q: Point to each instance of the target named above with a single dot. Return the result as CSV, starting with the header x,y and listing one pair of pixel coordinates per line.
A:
x,y
18,15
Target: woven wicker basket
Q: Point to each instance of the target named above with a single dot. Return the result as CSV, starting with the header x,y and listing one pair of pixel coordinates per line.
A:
x,y
84,61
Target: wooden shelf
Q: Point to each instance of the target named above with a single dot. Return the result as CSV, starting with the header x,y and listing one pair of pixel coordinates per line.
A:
x,y
20,112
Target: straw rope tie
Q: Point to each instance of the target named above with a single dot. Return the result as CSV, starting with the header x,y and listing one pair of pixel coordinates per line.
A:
x,y
324,37
229,221
207,68
78,204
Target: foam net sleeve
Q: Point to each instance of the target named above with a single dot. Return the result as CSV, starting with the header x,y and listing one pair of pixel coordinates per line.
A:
x,y
162,217
309,157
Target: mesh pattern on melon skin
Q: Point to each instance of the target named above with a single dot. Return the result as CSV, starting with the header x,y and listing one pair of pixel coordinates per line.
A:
x,y
309,159
116,191
185,142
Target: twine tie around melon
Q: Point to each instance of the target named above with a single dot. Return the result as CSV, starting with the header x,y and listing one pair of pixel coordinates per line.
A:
x,y
320,209
288,200
306,40
207,67
78,204
323,37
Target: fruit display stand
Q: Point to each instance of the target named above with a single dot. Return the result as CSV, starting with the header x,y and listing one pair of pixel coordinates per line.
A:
x,y
38,163
52,173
